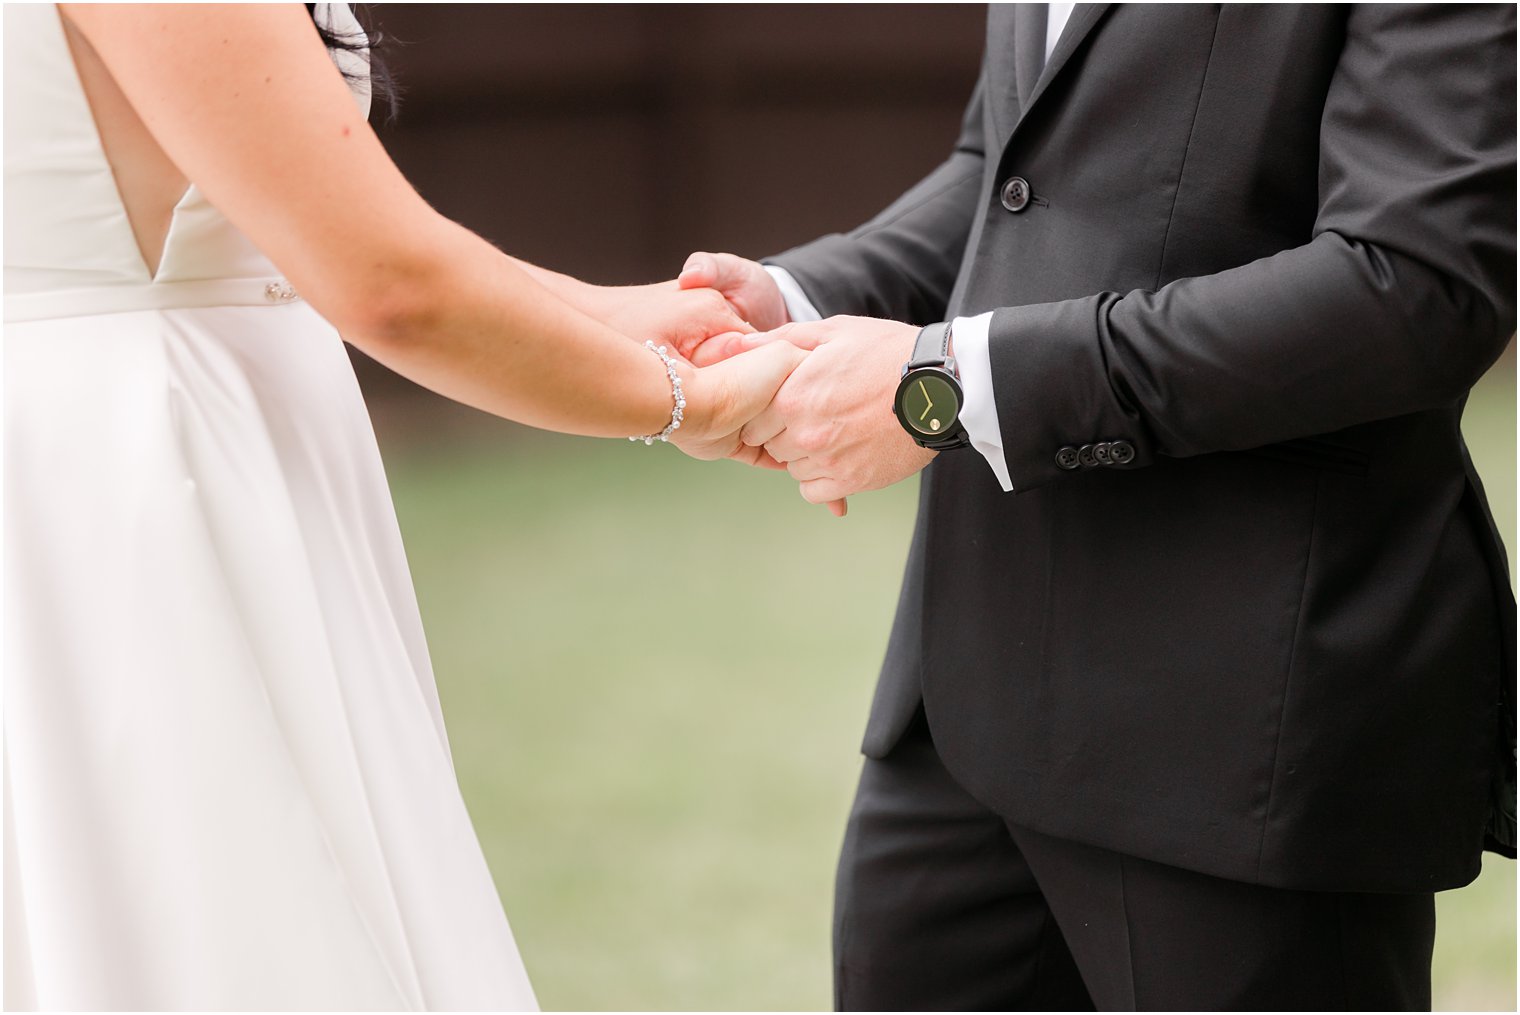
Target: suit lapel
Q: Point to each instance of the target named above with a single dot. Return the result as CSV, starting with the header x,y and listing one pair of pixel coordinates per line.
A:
x,y
1028,48
1084,18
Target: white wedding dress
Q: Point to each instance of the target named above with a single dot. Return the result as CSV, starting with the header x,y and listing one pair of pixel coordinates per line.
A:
x,y
226,780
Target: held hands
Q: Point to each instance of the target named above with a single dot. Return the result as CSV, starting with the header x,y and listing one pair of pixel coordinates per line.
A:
x,y
729,391
723,397
831,424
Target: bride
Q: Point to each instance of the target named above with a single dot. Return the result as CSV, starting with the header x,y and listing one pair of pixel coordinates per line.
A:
x,y
226,779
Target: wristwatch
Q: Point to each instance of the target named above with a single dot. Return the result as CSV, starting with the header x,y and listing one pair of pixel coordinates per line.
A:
x,y
928,401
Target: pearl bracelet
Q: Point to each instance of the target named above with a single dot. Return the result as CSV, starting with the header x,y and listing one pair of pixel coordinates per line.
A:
x,y
676,396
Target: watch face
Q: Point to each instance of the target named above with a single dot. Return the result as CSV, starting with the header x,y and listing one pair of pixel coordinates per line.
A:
x,y
929,404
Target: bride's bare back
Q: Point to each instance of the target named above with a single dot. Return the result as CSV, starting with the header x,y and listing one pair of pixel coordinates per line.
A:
x,y
148,181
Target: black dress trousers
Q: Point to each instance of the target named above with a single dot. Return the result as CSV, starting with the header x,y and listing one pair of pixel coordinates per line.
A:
x,y
943,904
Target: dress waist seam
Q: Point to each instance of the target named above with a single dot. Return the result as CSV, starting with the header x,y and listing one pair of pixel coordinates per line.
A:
x,y
270,291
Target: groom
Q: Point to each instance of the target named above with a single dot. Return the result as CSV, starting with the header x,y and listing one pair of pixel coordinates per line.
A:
x,y
1196,688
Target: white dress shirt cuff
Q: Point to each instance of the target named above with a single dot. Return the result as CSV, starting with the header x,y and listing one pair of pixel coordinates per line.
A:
x,y
798,306
979,415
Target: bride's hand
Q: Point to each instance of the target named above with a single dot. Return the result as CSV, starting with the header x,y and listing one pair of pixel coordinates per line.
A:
x,y
668,315
722,398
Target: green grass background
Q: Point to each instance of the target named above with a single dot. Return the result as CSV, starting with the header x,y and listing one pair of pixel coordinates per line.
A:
x,y
655,674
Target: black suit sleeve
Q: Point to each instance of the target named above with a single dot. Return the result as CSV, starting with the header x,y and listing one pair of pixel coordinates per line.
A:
x,y
1401,300
903,263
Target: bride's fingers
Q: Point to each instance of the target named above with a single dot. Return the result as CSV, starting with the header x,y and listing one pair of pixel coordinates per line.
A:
x,y
823,491
754,456
758,457
765,461
804,468
764,429
799,336
718,348
783,448
689,326
764,370
751,381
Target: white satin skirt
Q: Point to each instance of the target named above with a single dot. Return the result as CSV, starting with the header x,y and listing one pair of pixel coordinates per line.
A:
x,y
226,779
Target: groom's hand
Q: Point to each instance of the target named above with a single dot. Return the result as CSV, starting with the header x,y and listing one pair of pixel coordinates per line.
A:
x,y
746,286
832,423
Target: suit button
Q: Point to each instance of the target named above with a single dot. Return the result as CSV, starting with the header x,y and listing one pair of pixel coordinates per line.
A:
x,y
1085,456
1066,458
1121,452
1015,193
1101,453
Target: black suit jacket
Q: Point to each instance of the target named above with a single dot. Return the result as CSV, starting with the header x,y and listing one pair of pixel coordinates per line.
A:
x,y
1270,247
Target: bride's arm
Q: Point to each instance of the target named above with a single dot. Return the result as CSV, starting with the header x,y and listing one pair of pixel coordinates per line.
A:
x,y
247,103
660,310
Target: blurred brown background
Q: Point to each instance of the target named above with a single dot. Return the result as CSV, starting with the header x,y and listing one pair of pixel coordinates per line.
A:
x,y
608,140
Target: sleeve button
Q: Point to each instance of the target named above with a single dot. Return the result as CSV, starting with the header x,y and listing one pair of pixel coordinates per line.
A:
x,y
1066,458
1085,456
1121,452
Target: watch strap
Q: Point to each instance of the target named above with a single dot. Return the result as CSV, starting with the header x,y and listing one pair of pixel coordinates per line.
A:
x,y
932,347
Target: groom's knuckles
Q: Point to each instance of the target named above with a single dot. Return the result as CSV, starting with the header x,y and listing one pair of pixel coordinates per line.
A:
x,y
803,469
809,438
822,432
